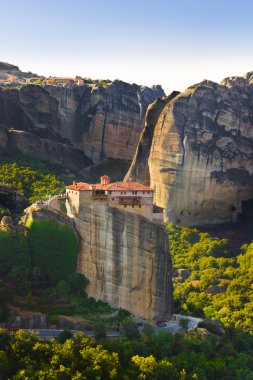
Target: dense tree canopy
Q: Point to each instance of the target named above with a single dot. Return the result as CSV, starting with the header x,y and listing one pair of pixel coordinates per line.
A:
x,y
196,355
220,281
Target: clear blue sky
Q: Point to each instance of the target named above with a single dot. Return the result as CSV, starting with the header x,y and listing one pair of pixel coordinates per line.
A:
x,y
174,43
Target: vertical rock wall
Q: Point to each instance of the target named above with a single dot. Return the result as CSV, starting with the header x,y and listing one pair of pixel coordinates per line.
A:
x,y
126,259
200,160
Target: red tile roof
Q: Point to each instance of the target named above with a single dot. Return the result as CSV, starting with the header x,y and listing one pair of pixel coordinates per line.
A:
x,y
115,186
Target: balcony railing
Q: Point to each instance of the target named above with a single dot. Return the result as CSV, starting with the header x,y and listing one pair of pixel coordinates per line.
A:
x,y
132,201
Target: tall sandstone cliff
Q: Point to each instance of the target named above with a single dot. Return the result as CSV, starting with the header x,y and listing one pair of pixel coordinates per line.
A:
x,y
70,125
199,155
126,259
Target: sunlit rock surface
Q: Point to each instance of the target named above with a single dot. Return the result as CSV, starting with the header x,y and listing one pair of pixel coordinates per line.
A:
x,y
200,156
126,259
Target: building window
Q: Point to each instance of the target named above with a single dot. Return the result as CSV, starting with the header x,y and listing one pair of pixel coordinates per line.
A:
x,y
132,206
132,192
125,206
139,206
148,192
113,199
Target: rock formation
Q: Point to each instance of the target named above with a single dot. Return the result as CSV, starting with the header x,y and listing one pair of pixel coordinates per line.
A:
x,y
86,123
124,256
126,259
104,122
199,158
139,167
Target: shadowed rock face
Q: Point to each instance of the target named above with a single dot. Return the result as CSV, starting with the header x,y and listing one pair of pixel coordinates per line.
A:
x,y
200,162
139,167
95,122
126,259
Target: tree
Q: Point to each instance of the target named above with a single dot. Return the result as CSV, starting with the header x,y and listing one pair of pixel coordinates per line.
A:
x,y
184,323
77,282
129,330
100,330
64,335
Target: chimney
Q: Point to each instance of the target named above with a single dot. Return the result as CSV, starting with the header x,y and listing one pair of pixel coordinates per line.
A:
x,y
105,180
75,184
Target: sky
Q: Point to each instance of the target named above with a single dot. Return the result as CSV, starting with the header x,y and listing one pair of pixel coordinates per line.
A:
x,y
172,43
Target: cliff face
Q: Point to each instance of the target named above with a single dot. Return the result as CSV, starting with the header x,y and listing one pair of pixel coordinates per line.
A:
x,y
200,161
139,167
87,124
126,259
103,122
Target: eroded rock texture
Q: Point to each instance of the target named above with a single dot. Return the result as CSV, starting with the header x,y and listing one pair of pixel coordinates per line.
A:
x,y
104,122
95,122
126,259
201,158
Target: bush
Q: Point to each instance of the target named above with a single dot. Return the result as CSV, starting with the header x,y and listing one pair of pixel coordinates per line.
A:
x,y
53,320
64,335
100,330
77,282
129,330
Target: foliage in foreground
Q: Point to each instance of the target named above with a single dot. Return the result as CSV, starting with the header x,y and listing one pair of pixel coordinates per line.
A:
x,y
220,281
186,356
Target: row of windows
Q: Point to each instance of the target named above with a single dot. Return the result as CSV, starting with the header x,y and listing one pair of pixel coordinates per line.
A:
x,y
132,206
134,192
71,191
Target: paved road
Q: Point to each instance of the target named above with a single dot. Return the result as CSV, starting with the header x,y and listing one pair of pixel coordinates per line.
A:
x,y
50,333
174,326
171,326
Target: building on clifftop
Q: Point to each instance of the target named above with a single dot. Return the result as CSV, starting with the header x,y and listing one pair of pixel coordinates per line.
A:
x,y
129,196
123,247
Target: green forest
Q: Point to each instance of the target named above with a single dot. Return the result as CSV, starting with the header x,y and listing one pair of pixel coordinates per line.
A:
x,y
212,279
33,182
220,277
195,355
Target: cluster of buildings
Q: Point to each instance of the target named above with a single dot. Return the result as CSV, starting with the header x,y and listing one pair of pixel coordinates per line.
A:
x,y
129,196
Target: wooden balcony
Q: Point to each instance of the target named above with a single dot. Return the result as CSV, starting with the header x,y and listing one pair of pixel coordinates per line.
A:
x,y
129,201
99,196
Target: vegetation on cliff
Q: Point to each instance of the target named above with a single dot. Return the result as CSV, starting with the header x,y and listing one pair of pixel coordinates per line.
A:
x,y
34,183
219,283
40,258
54,249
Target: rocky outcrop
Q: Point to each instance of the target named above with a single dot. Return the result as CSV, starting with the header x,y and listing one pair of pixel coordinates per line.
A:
x,y
126,259
139,167
102,121
200,161
11,200
46,150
